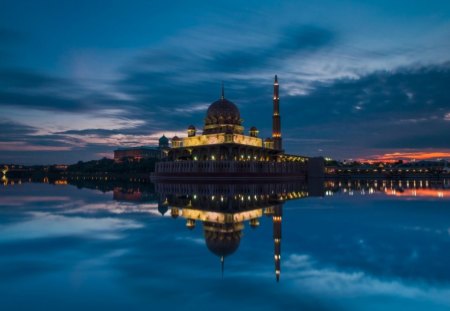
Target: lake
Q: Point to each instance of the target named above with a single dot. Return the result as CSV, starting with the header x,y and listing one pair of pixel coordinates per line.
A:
x,y
338,245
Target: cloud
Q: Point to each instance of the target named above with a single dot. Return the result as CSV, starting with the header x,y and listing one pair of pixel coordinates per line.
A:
x,y
27,89
311,277
387,119
11,129
114,208
43,225
310,119
20,88
12,200
22,146
420,155
447,117
117,140
293,41
18,137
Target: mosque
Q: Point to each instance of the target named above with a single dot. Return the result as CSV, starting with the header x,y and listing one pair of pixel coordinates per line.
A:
x,y
223,150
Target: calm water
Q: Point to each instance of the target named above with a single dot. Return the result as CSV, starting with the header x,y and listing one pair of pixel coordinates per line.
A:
x,y
347,246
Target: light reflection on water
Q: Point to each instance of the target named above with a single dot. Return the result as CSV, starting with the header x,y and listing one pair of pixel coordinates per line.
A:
x,y
341,245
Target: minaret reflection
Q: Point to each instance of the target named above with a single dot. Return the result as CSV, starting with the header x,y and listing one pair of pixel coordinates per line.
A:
x,y
276,212
223,210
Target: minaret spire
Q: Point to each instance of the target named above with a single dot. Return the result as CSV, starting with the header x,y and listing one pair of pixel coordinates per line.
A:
x,y
276,218
222,97
276,119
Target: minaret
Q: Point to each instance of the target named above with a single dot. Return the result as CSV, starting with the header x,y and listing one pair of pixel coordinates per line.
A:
x,y
276,126
222,97
277,239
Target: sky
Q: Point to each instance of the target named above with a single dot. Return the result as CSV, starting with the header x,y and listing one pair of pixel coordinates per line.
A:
x,y
358,79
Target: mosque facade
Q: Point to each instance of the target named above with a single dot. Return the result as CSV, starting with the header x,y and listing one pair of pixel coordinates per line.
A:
x,y
224,149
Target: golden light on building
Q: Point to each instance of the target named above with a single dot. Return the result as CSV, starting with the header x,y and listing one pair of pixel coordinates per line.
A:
x,y
223,140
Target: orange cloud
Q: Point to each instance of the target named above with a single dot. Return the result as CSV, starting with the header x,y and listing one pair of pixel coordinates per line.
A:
x,y
407,156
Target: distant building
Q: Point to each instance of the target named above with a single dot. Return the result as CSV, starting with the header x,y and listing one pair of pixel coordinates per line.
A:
x,y
143,152
60,167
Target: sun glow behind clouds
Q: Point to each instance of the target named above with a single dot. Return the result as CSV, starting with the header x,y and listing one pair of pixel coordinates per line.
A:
x,y
408,156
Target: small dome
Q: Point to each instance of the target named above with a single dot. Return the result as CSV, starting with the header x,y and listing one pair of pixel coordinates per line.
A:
x,y
268,139
253,128
176,138
191,127
163,141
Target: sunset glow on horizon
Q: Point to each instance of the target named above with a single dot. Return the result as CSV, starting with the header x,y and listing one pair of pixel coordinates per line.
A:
x,y
408,156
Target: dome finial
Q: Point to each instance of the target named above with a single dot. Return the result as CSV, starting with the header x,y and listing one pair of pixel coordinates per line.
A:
x,y
223,93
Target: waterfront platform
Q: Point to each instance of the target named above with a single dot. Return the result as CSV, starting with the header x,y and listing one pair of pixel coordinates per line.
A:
x,y
229,170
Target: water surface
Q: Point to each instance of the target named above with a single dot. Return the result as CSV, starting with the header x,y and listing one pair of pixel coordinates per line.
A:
x,y
348,246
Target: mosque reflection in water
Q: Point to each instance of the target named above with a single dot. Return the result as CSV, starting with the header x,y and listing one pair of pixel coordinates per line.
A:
x,y
223,210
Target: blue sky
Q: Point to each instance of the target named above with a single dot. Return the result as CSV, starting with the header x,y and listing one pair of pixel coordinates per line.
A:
x,y
358,79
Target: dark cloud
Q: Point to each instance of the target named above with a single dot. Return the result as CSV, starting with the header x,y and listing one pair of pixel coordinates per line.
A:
x,y
297,40
16,132
396,109
12,130
34,90
30,89
17,79
41,102
304,38
100,132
